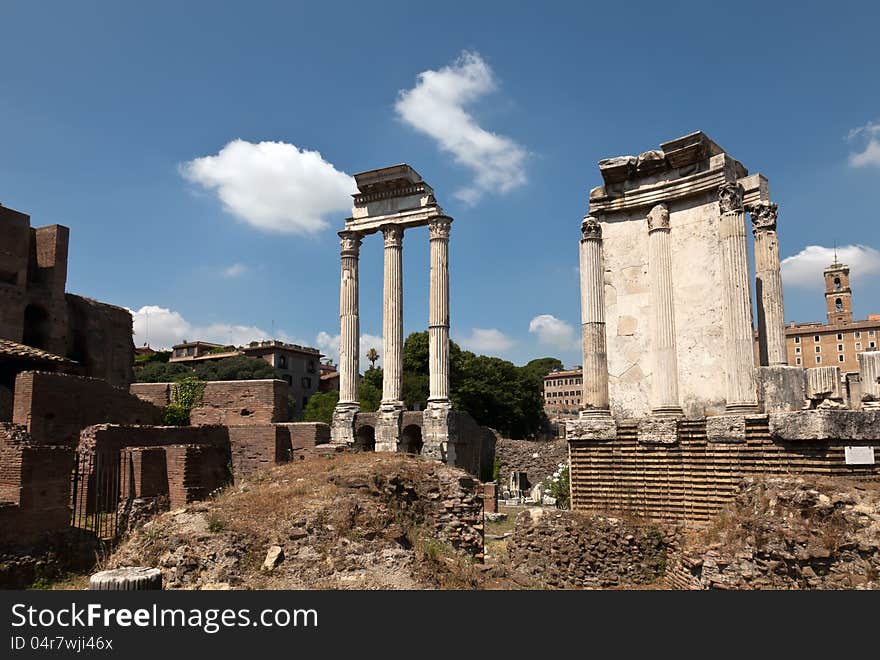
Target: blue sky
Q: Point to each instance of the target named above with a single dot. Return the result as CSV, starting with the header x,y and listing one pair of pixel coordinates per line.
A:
x,y
115,120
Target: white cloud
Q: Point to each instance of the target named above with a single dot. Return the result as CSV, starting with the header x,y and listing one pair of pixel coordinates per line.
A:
x,y
436,106
487,340
329,345
804,269
235,270
162,328
554,332
868,139
274,186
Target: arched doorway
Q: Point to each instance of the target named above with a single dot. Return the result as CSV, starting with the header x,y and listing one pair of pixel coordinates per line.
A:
x,y
365,439
36,326
411,439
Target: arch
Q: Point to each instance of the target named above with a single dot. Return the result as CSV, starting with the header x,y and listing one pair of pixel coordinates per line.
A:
x,y
411,439
36,326
365,438
838,304
837,283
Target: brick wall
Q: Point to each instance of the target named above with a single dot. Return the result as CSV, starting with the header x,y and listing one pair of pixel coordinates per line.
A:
x,y
194,471
6,400
159,394
99,338
113,437
55,407
690,480
149,471
305,435
257,447
242,403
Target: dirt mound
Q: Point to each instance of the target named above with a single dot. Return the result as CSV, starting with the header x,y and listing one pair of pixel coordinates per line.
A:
x,y
787,533
352,521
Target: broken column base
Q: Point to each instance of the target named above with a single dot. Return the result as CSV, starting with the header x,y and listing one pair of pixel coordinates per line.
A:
x,y
781,388
388,424
342,426
591,426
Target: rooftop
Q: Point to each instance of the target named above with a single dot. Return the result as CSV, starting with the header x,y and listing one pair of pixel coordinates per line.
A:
x,y
13,350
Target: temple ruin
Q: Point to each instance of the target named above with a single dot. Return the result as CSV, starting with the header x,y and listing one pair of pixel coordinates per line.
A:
x,y
391,200
675,408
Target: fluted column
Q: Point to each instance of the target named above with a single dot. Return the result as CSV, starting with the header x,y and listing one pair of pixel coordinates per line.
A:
x,y
392,318
737,308
768,285
664,372
595,356
438,321
869,374
349,337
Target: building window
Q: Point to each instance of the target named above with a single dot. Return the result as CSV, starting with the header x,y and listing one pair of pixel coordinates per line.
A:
x,y
818,359
840,358
837,283
858,345
838,304
797,360
797,351
282,362
858,334
839,336
307,382
818,349
816,339
872,344
840,348
311,366
872,333
797,340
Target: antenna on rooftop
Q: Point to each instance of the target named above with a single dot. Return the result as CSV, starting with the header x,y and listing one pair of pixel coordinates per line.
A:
x,y
835,251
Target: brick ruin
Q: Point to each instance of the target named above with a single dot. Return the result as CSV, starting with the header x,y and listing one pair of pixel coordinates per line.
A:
x,y
68,428
676,409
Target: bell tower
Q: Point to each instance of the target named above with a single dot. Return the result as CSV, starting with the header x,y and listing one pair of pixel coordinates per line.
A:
x,y
838,295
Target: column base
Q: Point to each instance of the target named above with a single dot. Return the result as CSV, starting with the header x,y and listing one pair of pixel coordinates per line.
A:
x,y
392,406
342,425
594,413
741,408
436,422
667,411
388,422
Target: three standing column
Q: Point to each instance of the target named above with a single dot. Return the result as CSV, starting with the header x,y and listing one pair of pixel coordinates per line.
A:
x,y
664,376
737,307
349,321
595,356
392,319
768,285
438,318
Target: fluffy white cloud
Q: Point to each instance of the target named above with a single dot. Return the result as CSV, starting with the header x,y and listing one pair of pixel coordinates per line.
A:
x,y
235,270
868,139
486,340
329,345
804,269
436,106
554,332
162,328
274,186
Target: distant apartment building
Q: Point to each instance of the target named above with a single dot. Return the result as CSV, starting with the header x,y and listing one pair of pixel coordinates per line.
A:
x,y
297,365
562,394
329,378
838,341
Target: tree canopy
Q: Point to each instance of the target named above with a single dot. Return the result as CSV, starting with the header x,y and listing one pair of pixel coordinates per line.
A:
x,y
239,367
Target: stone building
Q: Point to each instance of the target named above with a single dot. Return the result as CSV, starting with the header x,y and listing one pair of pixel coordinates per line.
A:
x,y
839,340
562,394
675,408
43,325
297,365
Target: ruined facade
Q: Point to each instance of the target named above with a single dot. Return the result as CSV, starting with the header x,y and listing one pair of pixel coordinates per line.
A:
x,y
87,337
391,200
668,391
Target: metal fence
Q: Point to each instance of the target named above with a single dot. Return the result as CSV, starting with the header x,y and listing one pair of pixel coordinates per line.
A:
x,y
102,488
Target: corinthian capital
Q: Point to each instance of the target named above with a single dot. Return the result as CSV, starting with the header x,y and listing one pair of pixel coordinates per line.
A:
x,y
439,227
351,242
393,235
730,197
591,229
763,216
658,218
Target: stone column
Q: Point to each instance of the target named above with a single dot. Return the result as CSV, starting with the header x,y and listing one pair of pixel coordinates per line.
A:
x,y
869,374
768,285
392,315
595,356
664,371
438,322
349,338
737,308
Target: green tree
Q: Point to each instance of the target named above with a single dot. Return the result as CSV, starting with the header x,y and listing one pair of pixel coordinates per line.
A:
x,y
540,367
239,367
320,407
373,376
161,372
372,356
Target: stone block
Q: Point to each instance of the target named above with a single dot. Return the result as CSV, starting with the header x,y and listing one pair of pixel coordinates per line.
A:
x,y
781,388
591,429
826,425
726,428
658,430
